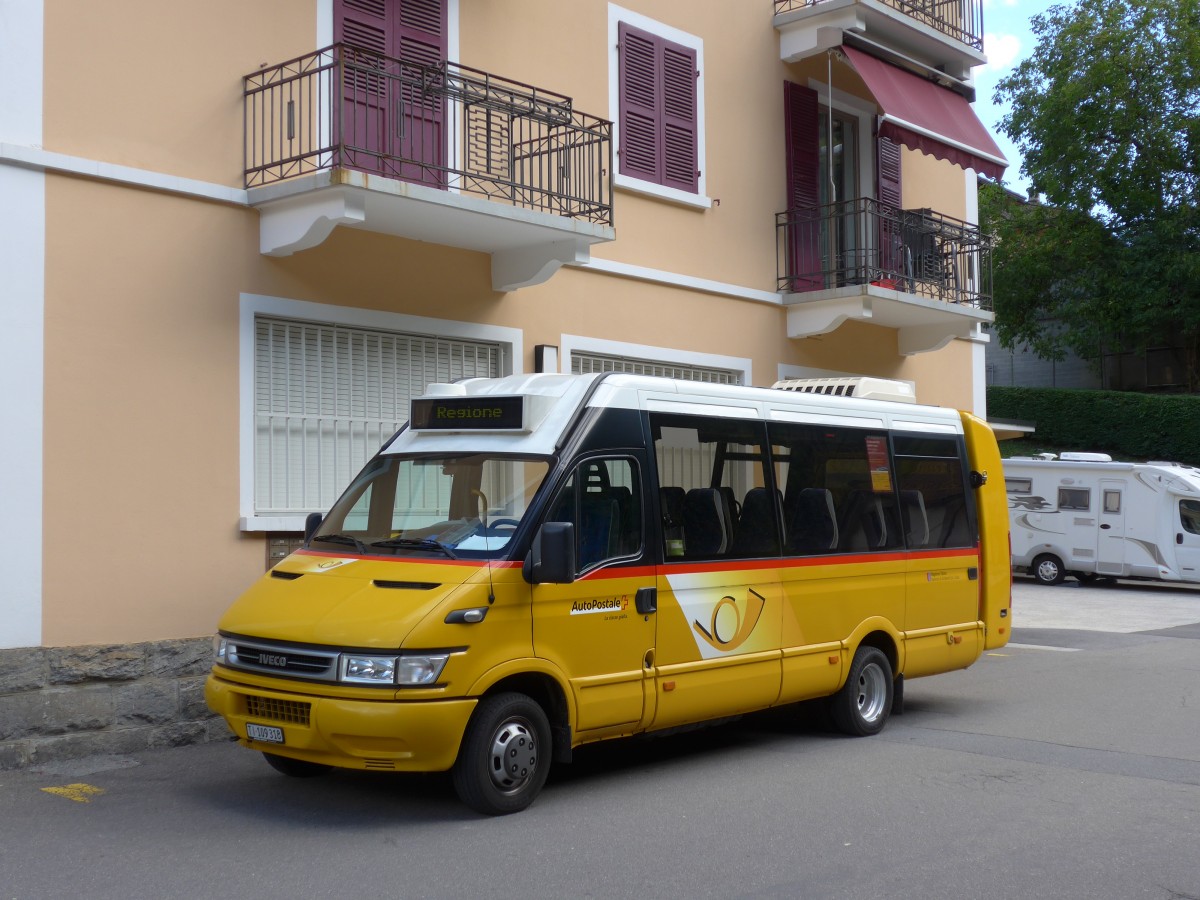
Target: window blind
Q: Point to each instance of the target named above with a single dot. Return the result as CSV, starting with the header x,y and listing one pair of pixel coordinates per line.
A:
x,y
326,397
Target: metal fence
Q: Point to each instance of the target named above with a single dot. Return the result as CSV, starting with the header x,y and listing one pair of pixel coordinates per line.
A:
x,y
863,241
444,124
959,19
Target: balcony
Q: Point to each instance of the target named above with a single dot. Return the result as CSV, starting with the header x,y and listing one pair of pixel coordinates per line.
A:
x,y
946,35
924,274
441,153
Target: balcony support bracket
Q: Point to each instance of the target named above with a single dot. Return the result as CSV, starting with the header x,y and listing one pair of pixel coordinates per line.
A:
x,y
288,227
526,266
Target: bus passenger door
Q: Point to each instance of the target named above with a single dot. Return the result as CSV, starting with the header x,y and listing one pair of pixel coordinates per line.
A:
x,y
719,592
1186,516
600,629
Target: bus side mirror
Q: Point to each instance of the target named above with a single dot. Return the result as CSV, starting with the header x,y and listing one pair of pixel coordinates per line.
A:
x,y
552,557
311,524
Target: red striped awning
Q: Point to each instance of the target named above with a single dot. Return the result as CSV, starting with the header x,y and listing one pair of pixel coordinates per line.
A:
x,y
924,116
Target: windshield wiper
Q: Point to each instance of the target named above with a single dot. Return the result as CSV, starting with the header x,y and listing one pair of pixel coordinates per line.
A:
x,y
342,539
419,543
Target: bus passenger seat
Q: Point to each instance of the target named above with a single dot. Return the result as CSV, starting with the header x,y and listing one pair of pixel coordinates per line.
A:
x,y
704,523
812,527
864,526
756,532
599,522
671,499
916,522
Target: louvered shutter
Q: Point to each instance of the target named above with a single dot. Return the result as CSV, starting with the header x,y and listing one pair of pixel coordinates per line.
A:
x,y
390,125
803,156
891,250
657,109
421,40
326,397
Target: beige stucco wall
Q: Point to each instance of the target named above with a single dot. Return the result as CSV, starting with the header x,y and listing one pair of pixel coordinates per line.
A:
x,y
142,427
158,85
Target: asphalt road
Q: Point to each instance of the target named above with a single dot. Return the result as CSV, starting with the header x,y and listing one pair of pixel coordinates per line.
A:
x,y
1066,765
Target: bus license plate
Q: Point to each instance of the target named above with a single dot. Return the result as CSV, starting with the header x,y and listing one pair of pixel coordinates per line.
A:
x,y
265,733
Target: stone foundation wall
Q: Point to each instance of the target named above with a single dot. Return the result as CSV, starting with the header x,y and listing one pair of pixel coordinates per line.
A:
x,y
61,703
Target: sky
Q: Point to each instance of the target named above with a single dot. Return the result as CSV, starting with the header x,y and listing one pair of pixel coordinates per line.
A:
x,y
1007,40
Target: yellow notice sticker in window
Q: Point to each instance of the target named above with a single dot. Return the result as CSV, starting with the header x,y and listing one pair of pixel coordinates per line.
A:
x,y
877,459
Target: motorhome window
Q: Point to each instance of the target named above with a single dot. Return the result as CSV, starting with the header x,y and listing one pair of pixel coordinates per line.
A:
x,y
603,499
460,505
1074,498
1112,501
1018,485
1189,515
934,507
714,497
839,493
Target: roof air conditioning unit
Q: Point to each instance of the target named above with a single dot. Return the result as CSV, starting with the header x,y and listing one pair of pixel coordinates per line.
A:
x,y
859,386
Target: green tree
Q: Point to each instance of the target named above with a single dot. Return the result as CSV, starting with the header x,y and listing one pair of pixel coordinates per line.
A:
x,y
1106,113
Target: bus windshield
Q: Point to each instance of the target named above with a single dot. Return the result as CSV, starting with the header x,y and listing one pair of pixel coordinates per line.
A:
x,y
454,506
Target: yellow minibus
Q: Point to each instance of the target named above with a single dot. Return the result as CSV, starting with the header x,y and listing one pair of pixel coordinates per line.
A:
x,y
537,562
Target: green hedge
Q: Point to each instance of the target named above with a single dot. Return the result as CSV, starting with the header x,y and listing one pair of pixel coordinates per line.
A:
x,y
1125,425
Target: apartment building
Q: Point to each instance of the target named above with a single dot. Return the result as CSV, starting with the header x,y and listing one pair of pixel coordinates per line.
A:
x,y
239,237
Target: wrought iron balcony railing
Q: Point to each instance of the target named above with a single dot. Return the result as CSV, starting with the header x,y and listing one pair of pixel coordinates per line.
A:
x,y
865,242
961,20
444,125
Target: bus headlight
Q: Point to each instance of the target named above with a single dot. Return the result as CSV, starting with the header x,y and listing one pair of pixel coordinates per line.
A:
x,y
416,670
408,670
369,669
220,645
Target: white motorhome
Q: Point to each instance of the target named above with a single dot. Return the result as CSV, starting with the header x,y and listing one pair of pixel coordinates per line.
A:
x,y
1087,516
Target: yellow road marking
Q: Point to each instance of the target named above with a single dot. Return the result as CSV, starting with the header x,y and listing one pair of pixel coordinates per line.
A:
x,y
80,793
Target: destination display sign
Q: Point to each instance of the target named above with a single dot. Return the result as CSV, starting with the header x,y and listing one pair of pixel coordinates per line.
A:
x,y
468,414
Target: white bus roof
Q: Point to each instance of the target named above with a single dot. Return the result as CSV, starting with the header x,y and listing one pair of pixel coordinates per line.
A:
x,y
551,401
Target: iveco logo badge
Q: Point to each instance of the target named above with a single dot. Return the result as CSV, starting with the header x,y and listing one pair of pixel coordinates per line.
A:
x,y
270,659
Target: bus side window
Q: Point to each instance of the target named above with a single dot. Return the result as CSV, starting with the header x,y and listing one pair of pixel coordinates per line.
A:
x,y
603,500
839,490
713,495
933,493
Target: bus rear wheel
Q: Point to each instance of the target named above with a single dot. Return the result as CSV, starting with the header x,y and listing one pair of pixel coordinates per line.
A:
x,y
861,707
1048,569
505,755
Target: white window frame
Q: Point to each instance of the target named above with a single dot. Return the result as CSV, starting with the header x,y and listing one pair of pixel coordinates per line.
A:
x,y
575,343
511,341
617,15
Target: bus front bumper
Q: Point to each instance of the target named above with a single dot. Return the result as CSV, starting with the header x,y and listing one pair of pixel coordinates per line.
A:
x,y
385,735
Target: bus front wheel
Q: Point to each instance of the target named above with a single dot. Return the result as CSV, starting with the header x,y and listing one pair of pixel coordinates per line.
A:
x,y
861,707
505,755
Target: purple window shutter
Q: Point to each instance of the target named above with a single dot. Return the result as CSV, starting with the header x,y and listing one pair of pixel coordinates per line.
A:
x,y
891,250
679,118
387,124
657,109
801,123
421,42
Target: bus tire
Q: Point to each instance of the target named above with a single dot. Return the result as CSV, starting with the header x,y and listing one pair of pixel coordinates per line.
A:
x,y
1048,569
296,768
862,706
505,755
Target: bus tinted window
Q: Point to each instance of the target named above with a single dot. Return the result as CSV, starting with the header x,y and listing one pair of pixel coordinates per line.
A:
x,y
839,491
713,493
934,503
603,500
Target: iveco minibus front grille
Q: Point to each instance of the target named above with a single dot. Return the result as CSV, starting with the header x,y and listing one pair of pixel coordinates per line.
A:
x,y
291,712
280,659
